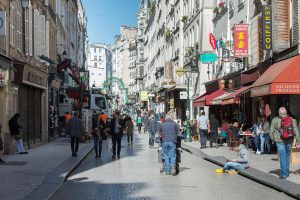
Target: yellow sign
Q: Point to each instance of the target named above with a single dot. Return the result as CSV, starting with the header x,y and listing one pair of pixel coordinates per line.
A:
x,y
144,95
180,71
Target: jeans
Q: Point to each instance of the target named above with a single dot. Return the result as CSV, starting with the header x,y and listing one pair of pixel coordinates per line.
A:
x,y
256,140
20,146
284,150
116,139
169,151
233,165
139,127
74,143
151,138
98,146
203,137
213,137
265,138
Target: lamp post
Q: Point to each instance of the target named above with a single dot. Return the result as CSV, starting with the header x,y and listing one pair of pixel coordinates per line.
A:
x,y
25,3
188,73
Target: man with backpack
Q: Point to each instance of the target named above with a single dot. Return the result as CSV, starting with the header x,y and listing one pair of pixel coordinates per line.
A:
x,y
283,130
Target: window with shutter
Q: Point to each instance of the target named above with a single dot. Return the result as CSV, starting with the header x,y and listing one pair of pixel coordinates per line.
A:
x,y
42,35
19,25
12,23
295,22
47,39
30,29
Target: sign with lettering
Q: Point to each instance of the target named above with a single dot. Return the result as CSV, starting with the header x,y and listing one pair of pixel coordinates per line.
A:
x,y
212,41
267,27
2,76
2,23
241,40
34,77
285,88
208,57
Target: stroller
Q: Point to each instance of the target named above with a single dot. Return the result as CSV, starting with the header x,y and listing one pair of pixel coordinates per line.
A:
x,y
161,156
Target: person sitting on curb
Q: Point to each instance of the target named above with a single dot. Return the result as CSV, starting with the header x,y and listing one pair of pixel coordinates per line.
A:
x,y
240,163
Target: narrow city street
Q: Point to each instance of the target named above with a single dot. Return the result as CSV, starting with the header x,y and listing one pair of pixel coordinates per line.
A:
x,y
136,176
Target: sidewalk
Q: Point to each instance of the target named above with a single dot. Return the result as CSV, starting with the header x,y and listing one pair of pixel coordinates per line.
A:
x,y
38,174
263,168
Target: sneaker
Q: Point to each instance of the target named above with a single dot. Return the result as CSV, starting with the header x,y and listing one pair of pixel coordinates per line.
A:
x,y
232,172
220,171
113,157
119,156
258,152
282,177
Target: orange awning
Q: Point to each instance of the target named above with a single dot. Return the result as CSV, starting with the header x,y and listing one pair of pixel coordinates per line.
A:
x,y
206,100
234,97
281,78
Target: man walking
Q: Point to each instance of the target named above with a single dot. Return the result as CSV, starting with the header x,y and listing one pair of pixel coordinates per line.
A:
x,y
214,126
116,128
282,131
203,129
168,131
75,131
152,129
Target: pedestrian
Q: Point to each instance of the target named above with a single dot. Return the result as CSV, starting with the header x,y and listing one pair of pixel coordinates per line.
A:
x,y
103,117
240,163
283,130
75,131
194,132
98,128
145,120
129,130
152,129
16,132
168,132
214,127
203,123
116,129
257,130
265,135
139,122
1,146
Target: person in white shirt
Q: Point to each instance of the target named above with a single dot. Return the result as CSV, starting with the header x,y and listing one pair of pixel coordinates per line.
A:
x,y
202,125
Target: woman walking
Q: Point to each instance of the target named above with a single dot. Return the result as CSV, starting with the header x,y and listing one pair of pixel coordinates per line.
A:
x,y
139,122
129,130
98,134
15,130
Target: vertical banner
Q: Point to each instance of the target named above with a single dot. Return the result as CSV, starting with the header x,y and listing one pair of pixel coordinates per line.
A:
x,y
267,27
2,23
241,40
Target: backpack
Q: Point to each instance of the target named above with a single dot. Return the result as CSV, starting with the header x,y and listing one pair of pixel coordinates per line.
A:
x,y
287,130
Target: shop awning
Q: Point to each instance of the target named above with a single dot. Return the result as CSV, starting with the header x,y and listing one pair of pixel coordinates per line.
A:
x,y
234,97
197,103
280,78
206,100
218,100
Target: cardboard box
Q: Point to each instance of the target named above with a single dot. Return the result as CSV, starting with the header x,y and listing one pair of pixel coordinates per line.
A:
x,y
295,155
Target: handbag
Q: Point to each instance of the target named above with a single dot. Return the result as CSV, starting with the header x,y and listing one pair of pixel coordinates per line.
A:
x,y
18,136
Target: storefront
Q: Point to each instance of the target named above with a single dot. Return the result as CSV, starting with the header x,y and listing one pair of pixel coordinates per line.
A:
x,y
32,102
177,103
278,86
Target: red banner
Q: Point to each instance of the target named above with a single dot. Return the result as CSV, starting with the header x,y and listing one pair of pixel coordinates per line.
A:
x,y
241,40
212,41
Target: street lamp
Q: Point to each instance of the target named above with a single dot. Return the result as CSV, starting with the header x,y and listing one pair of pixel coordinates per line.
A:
x,y
188,73
25,3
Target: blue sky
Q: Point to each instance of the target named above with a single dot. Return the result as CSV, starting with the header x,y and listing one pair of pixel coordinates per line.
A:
x,y
105,18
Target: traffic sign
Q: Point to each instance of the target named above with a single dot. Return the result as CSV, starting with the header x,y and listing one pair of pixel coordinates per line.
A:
x,y
208,57
212,41
180,71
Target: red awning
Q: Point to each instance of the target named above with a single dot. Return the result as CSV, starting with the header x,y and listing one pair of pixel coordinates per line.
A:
x,y
234,97
280,78
197,103
251,77
206,100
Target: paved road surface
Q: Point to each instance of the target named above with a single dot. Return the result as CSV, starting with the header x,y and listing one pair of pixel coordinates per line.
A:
x,y
136,176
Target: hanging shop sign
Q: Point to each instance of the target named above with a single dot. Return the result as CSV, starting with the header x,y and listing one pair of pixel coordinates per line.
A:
x,y
144,95
2,23
241,40
208,57
212,41
267,27
183,95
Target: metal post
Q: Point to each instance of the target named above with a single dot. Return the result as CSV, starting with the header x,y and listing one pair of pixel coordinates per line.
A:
x,y
187,130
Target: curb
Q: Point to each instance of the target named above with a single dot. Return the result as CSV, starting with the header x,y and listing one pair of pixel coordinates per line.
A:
x,y
289,188
59,175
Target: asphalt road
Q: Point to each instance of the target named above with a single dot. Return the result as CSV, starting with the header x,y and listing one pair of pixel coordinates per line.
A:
x,y
136,176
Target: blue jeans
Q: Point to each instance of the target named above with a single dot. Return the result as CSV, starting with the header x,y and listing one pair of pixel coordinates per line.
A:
x,y
256,141
203,137
20,146
284,150
233,165
169,151
151,138
265,138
